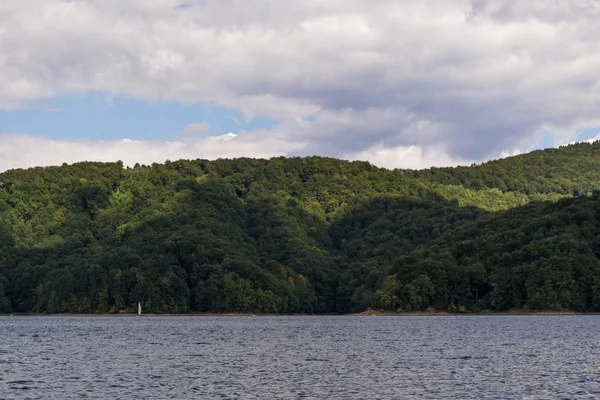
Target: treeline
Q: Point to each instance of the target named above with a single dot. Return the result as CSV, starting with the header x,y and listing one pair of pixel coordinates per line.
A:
x,y
302,235
568,170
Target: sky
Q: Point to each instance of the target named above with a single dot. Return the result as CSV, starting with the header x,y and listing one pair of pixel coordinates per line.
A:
x,y
402,84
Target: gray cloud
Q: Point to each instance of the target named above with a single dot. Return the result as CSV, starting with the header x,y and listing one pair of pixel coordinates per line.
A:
x,y
197,128
464,81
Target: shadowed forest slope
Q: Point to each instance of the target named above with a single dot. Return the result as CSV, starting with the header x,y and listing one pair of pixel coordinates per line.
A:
x,y
307,235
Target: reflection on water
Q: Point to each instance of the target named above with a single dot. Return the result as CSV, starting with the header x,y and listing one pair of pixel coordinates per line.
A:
x,y
520,357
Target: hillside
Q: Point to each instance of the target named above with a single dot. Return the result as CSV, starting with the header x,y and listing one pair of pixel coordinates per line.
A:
x,y
307,235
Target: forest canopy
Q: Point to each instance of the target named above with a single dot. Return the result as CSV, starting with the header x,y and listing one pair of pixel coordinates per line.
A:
x,y
303,235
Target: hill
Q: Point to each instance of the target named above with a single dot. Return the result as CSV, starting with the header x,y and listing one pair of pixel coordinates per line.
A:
x,y
308,235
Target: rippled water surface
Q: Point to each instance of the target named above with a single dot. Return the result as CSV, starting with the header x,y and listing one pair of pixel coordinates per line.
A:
x,y
499,357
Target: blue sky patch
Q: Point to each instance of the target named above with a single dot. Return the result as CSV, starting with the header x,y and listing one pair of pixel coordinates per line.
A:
x,y
587,133
545,142
97,116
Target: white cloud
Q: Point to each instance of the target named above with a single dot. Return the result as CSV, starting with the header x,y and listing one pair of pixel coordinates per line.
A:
x,y
24,151
443,81
410,157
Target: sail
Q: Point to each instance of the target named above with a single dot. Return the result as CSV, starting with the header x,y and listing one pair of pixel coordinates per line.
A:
x,y
139,308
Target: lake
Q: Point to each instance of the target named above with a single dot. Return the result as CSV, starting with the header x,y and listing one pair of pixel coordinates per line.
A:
x,y
322,357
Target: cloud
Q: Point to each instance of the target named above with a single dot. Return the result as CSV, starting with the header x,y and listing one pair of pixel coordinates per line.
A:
x,y
410,157
197,128
441,81
24,151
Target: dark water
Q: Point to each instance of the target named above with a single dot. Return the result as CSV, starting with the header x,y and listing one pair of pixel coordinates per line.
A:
x,y
536,357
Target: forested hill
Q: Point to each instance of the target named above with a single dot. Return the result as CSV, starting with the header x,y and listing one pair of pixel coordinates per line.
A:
x,y
308,235
570,170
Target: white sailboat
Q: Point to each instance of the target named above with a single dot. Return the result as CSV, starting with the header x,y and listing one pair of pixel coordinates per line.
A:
x,y
139,309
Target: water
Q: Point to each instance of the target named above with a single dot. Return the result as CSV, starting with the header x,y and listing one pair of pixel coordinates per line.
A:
x,y
521,357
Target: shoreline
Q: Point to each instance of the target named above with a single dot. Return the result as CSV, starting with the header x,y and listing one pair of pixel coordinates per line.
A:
x,y
371,313
469,314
